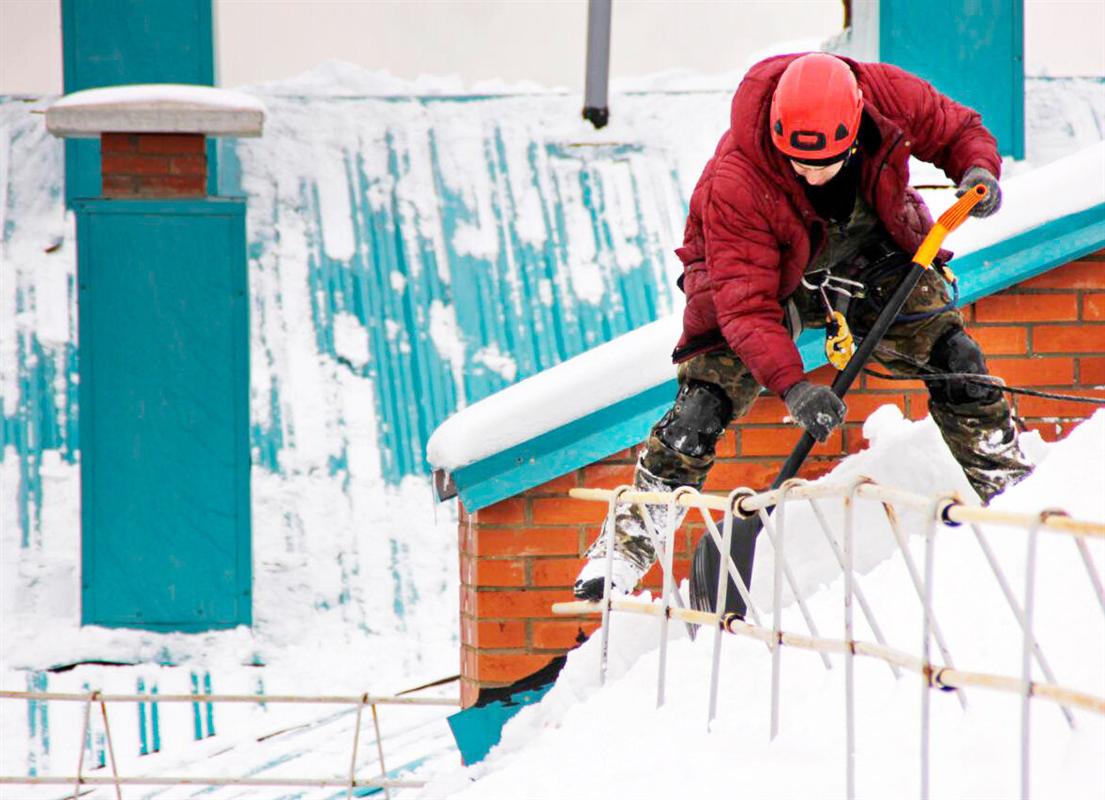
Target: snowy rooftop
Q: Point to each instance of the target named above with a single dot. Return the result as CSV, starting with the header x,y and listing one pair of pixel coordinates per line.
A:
x,y
639,360
156,108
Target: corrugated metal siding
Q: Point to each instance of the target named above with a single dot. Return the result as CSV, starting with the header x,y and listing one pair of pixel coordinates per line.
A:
x,y
540,211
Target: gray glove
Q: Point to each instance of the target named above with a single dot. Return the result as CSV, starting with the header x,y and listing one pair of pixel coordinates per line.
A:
x,y
989,204
815,408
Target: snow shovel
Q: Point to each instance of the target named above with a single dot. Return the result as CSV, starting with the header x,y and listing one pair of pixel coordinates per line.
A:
x,y
704,570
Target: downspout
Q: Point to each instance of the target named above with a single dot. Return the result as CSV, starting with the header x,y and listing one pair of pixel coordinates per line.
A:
x,y
595,108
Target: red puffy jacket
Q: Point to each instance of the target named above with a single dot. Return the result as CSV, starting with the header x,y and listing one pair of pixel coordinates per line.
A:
x,y
751,231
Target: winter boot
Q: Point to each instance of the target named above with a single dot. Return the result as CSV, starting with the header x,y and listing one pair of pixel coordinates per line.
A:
x,y
637,542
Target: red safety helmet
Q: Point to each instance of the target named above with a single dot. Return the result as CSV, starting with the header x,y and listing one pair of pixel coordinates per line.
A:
x,y
816,109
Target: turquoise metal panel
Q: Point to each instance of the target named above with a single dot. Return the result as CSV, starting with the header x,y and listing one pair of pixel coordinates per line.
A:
x,y
479,728
116,42
628,422
971,50
165,498
1026,255
512,303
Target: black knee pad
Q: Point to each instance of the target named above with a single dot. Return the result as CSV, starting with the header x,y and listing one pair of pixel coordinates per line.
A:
x,y
955,351
697,420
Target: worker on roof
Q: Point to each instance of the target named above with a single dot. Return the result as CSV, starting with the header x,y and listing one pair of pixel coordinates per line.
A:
x,y
804,217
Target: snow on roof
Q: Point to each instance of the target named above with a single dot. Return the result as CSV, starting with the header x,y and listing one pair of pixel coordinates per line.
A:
x,y
641,359
156,108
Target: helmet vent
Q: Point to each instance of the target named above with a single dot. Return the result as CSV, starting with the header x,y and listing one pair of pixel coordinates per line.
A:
x,y
841,132
779,127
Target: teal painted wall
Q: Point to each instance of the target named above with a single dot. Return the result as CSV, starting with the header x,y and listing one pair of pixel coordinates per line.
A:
x,y
971,50
115,42
164,393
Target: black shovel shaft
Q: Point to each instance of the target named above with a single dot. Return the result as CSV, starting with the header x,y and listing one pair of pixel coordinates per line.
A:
x,y
843,382
704,572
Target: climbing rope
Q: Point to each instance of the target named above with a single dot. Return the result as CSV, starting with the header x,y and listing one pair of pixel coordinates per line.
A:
x,y
932,373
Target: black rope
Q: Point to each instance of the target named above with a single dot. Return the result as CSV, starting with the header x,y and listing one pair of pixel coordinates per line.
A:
x,y
934,374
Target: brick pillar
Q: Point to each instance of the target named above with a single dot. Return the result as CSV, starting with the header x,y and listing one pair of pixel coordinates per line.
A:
x,y
154,164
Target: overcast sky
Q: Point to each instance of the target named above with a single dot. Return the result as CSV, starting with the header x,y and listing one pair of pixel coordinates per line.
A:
x,y
515,40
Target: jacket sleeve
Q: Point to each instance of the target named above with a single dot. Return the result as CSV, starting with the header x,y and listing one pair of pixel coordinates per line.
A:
x,y
943,132
742,258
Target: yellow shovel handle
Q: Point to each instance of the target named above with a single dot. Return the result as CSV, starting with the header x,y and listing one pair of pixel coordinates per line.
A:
x,y
948,222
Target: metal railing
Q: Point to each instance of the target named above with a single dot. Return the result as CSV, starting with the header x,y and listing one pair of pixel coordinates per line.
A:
x,y
946,509
118,781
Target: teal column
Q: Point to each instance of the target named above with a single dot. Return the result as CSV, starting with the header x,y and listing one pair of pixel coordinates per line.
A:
x,y
971,50
116,42
164,394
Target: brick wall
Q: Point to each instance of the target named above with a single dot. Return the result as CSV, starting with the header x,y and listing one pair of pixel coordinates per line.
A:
x,y
522,554
153,165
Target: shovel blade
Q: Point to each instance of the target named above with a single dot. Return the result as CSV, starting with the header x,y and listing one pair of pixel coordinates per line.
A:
x,y
704,568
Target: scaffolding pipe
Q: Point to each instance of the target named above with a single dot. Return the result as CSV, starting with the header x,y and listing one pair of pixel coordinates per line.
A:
x,y
918,584
942,677
596,109
953,511
860,597
1026,660
82,697
767,525
1018,613
722,591
608,579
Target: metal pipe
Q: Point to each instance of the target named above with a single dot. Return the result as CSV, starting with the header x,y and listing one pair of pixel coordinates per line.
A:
x,y
650,526
1015,607
722,592
946,677
608,580
91,780
668,547
811,626
953,511
861,598
596,109
926,645
356,744
84,738
63,697
380,751
1095,581
911,568
111,751
849,638
1026,659
777,606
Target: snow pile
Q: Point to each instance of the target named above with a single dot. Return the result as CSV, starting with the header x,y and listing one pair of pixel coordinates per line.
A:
x,y
185,97
583,741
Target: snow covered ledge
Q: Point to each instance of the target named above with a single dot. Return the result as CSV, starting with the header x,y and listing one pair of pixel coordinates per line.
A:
x,y
156,108
153,137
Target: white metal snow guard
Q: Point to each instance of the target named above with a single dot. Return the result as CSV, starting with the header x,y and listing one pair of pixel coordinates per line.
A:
x,y
118,781
947,509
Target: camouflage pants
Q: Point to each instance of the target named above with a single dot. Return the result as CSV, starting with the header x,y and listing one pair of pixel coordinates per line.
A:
x,y
976,425
977,429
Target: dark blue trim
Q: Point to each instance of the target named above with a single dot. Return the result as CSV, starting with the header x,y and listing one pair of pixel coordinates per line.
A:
x,y
628,422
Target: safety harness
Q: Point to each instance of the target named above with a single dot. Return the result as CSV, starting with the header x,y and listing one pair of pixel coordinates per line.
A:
x,y
839,340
